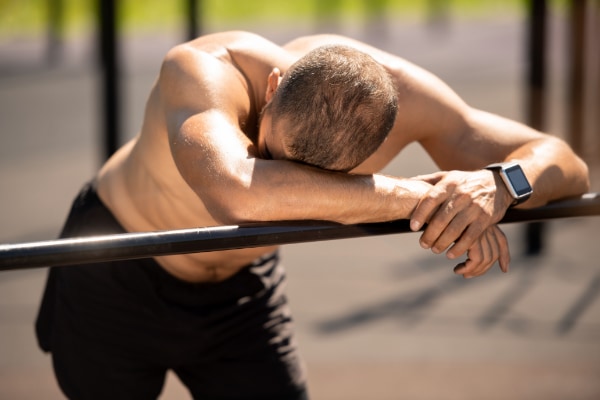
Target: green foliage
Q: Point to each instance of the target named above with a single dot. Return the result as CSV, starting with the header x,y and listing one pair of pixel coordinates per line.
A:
x,y
30,16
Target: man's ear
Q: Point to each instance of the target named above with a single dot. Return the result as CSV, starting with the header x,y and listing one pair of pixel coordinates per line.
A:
x,y
272,83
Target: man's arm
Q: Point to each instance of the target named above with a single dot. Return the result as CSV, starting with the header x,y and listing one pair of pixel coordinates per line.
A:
x,y
466,201
459,137
464,204
205,101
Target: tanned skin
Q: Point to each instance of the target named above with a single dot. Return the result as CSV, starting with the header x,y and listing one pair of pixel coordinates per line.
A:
x,y
204,157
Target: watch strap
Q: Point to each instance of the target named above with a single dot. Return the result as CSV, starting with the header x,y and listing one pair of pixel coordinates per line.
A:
x,y
501,166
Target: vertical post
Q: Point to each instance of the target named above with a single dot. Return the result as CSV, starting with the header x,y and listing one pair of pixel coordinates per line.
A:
x,y
376,21
596,68
575,99
438,15
327,15
595,98
536,71
109,75
54,32
536,97
193,25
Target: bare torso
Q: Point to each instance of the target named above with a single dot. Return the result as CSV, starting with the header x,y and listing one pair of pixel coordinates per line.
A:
x,y
141,184
201,126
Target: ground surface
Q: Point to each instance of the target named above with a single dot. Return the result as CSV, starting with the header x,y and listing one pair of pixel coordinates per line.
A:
x,y
377,318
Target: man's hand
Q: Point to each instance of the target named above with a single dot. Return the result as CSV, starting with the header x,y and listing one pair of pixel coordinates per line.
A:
x,y
458,209
491,246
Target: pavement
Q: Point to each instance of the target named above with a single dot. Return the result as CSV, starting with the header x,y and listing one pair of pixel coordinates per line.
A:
x,y
377,318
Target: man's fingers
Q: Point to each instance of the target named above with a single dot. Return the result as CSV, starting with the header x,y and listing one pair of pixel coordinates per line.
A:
x,y
482,260
490,255
466,268
446,221
432,178
492,246
450,222
437,235
504,253
466,239
426,208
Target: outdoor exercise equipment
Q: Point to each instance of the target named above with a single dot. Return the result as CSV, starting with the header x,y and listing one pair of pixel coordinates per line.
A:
x,y
82,250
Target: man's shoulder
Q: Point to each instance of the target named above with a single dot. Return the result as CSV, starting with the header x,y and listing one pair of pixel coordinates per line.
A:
x,y
204,62
223,72
248,53
230,41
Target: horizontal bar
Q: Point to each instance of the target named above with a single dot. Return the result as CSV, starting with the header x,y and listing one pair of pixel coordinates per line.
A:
x,y
92,249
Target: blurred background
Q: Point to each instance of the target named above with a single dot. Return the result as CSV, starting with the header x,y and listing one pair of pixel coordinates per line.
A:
x,y
377,318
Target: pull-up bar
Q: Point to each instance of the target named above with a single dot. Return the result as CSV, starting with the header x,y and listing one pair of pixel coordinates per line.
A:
x,y
196,240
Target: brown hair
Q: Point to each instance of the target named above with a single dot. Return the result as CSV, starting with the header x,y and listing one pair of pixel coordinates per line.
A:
x,y
337,105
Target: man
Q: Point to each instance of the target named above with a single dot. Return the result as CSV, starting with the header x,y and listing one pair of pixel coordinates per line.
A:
x,y
239,129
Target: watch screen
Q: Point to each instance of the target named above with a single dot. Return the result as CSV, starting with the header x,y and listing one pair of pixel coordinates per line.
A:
x,y
518,179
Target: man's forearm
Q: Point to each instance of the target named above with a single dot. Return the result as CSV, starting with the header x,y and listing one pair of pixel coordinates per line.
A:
x,y
553,170
551,166
282,190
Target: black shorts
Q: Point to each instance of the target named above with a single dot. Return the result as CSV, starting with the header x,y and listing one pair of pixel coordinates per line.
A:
x,y
115,328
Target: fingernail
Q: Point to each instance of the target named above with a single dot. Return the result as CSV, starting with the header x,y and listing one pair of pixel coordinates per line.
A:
x,y
415,225
424,245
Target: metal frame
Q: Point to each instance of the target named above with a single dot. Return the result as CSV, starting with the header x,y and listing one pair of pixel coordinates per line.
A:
x,y
83,250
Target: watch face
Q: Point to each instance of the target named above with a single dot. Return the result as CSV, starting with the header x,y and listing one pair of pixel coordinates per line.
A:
x,y
518,180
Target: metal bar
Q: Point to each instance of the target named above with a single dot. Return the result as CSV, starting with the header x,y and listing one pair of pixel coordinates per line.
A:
x,y
150,244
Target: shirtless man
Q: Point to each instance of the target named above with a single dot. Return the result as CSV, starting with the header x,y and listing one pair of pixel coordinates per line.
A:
x,y
224,141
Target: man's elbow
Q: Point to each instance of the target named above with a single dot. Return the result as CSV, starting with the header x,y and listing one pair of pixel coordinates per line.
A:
x,y
576,174
227,212
235,205
580,173
584,174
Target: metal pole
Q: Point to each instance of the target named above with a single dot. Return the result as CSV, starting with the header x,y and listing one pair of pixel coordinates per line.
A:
x,y
194,28
55,10
109,67
575,99
595,98
150,244
536,98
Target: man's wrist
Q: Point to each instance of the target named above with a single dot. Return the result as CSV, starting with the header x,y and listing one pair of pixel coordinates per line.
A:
x,y
501,191
399,197
513,180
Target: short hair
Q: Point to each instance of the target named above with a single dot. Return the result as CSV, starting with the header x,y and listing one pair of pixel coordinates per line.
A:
x,y
337,105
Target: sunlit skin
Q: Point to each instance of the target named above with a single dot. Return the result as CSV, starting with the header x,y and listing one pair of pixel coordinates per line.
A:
x,y
271,146
202,158
270,143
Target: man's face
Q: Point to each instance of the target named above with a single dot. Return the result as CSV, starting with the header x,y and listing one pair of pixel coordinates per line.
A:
x,y
270,139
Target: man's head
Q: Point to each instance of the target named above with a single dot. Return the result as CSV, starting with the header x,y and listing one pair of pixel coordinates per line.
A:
x,y
332,109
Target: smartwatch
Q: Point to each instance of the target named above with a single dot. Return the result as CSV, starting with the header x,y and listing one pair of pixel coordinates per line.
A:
x,y
514,179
